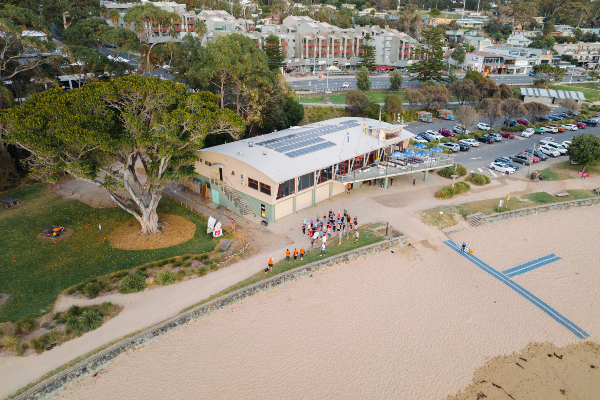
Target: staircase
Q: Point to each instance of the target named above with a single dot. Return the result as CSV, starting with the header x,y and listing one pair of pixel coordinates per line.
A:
x,y
233,197
473,219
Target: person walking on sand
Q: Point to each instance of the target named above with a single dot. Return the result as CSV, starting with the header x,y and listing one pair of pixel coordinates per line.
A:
x,y
287,255
270,264
463,248
356,236
414,181
295,255
349,187
301,253
233,226
322,250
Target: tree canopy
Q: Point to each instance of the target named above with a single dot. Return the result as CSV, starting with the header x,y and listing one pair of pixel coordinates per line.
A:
x,y
585,150
367,57
430,55
274,52
363,82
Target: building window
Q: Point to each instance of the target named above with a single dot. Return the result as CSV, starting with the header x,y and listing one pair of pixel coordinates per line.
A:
x,y
325,175
252,184
286,188
306,181
266,189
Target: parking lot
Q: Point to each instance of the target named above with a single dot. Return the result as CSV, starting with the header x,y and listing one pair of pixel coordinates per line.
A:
x,y
478,158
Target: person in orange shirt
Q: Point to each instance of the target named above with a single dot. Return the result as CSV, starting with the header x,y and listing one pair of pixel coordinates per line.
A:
x,y
301,253
270,267
295,255
287,255
233,226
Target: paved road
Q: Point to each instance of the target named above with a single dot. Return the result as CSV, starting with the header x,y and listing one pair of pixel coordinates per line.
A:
x,y
376,80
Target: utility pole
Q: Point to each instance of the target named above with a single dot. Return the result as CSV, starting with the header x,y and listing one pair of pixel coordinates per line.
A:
x,y
531,161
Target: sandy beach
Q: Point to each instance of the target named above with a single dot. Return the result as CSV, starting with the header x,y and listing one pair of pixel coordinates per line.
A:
x,y
413,324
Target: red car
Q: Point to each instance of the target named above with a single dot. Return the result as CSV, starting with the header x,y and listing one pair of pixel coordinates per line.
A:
x,y
580,125
533,158
446,132
507,135
523,121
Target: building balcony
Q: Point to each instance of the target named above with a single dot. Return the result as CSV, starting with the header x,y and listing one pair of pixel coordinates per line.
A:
x,y
191,22
284,44
310,44
308,52
191,30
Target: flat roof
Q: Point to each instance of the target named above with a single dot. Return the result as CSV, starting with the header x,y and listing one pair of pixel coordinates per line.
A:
x,y
300,150
559,94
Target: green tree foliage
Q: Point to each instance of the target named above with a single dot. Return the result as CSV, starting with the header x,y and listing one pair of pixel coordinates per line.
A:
x,y
363,82
548,74
475,76
87,32
585,150
393,105
357,101
434,95
490,109
21,53
464,90
431,57
459,54
147,15
435,12
395,80
513,108
373,111
367,57
275,56
542,42
114,16
536,110
88,65
104,131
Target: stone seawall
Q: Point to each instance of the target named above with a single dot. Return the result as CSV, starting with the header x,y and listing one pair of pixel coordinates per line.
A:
x,y
523,212
63,380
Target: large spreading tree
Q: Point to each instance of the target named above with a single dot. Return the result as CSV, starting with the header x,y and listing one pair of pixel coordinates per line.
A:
x,y
585,150
430,55
133,132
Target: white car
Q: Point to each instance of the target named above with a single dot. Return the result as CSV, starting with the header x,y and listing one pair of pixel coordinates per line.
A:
x,y
549,151
346,85
505,169
450,146
547,140
549,129
528,132
470,142
561,150
435,135
483,127
570,127
566,144
419,139
458,129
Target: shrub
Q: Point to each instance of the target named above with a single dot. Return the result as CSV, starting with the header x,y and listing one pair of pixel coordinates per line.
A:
x,y
132,283
171,260
106,308
165,277
9,341
144,267
447,192
25,325
478,179
59,318
447,172
89,320
71,291
74,311
20,349
186,257
93,289
182,273
72,324
47,325
201,271
40,343
214,267
178,263
120,274
187,263
461,187
2,331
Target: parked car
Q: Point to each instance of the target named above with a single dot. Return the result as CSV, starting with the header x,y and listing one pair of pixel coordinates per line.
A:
x,y
549,129
505,169
464,147
450,146
483,127
435,134
537,153
497,137
430,137
549,151
555,117
446,132
469,142
523,121
561,150
346,85
528,132
547,140
558,128
419,139
507,161
521,159
461,129
581,79
571,127
540,131
566,144
590,122
580,125
507,135
531,158
510,122
485,139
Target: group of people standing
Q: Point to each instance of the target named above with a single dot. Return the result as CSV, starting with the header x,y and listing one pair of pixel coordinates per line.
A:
x,y
331,224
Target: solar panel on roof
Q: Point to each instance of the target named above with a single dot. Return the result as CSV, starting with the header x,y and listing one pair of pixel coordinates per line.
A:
x,y
295,146
310,149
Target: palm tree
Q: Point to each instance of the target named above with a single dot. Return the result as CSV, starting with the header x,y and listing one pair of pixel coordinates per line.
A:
x,y
114,17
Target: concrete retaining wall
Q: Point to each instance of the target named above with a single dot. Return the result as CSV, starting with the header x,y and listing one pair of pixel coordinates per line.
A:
x,y
523,212
89,367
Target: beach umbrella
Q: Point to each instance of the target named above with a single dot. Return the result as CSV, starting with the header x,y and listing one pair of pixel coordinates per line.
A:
x,y
408,154
423,153
397,154
436,150
420,146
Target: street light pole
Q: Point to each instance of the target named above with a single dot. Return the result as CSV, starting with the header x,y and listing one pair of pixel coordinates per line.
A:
x,y
531,161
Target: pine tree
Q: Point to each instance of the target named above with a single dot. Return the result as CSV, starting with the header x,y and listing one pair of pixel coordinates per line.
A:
x,y
275,56
368,53
431,57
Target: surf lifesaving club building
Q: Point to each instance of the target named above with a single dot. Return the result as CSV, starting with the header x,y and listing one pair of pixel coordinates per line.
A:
x,y
280,173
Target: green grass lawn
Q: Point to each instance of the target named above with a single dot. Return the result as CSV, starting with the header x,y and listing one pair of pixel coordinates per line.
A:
x,y
367,237
589,85
316,99
41,270
590,95
566,170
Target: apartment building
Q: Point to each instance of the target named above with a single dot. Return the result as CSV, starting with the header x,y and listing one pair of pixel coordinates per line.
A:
x,y
584,53
220,20
479,42
533,56
493,63
518,40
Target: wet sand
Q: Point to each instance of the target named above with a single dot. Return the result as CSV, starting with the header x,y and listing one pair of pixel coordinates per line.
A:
x,y
404,325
